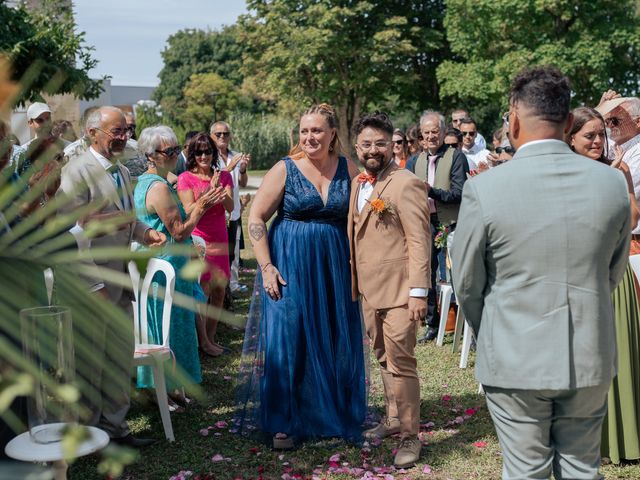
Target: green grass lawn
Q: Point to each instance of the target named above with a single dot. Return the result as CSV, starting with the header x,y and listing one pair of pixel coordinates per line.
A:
x,y
458,436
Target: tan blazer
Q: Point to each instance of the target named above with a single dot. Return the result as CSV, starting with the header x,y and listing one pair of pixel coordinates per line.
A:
x,y
390,254
84,181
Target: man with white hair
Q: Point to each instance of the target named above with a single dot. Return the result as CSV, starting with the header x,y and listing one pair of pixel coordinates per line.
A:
x,y
221,135
444,171
622,118
97,178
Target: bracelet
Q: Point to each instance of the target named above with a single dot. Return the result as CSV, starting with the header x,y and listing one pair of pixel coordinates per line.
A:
x,y
264,268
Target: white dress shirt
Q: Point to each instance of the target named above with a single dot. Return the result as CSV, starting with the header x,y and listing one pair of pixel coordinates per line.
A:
x,y
107,164
235,175
364,193
475,155
631,157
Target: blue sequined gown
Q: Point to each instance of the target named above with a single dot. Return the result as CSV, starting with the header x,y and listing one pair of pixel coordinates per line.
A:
x,y
303,370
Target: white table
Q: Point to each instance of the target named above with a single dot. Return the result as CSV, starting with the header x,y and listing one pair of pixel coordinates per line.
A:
x,y
24,449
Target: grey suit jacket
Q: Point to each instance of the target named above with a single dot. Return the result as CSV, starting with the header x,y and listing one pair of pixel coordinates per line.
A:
x,y
540,244
85,181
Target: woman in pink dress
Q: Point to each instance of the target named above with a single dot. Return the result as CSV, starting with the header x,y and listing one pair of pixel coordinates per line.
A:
x,y
200,176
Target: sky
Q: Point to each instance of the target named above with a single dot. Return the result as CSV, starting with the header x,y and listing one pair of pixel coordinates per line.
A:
x,y
128,35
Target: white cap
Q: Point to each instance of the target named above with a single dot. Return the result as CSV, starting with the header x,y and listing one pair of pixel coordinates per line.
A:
x,y
606,107
36,109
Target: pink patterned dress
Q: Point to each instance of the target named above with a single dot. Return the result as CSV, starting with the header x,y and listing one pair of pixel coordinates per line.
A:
x,y
212,227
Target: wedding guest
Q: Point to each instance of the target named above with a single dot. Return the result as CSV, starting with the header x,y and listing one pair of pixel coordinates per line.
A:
x,y
302,373
97,178
390,243
158,206
444,171
497,137
414,140
621,428
456,118
471,149
400,148
453,138
202,175
535,259
622,117
236,164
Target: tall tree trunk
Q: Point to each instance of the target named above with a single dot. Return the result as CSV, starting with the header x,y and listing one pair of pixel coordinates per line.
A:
x,y
348,113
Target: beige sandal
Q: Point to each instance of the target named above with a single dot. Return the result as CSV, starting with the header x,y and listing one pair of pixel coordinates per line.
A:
x,y
282,442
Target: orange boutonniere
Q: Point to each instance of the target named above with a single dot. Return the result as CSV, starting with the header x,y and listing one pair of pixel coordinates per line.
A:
x,y
380,207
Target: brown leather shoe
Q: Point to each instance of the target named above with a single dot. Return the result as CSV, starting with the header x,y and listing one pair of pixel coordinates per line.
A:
x,y
408,452
385,428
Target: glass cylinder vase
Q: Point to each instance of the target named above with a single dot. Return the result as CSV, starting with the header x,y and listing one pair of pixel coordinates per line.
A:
x,y
47,342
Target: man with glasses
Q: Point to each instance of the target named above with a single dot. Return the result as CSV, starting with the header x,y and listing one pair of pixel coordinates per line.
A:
x,y
221,135
98,178
473,151
456,118
622,119
444,171
129,157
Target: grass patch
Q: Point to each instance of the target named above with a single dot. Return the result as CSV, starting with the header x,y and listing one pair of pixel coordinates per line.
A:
x,y
460,442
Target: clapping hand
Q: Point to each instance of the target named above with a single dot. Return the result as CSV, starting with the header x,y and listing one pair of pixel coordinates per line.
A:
x,y
211,197
271,281
244,162
153,238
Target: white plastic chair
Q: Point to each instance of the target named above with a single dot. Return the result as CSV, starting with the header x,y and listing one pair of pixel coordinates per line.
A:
x,y
154,355
445,303
48,282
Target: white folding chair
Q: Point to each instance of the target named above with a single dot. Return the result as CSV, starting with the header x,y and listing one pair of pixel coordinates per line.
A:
x,y
154,355
445,303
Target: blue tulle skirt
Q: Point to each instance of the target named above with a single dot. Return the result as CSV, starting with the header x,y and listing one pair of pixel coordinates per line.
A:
x,y
303,369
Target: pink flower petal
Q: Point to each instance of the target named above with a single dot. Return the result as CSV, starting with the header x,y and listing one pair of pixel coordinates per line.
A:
x,y
446,398
204,432
335,457
470,411
217,458
480,444
221,424
426,469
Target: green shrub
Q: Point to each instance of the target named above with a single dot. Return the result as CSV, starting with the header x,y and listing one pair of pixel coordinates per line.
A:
x,y
265,137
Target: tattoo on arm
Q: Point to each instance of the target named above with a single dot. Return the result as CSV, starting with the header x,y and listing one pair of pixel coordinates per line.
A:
x,y
257,231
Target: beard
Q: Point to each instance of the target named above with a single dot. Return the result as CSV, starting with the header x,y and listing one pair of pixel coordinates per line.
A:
x,y
374,163
116,147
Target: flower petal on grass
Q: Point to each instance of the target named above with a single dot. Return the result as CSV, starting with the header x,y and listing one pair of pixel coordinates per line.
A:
x,y
217,458
204,432
426,469
335,457
221,424
479,444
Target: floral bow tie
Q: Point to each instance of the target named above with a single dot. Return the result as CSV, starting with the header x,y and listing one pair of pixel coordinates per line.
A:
x,y
366,178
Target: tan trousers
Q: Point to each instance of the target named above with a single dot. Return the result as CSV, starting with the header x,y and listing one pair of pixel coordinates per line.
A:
x,y
393,338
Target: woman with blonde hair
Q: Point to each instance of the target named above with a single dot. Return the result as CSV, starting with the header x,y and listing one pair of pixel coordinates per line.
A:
x,y
302,372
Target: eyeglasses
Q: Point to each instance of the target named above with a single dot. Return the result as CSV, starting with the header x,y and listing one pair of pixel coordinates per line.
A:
x,y
612,122
366,146
398,142
132,127
507,150
40,121
206,152
222,134
505,118
469,134
118,132
170,151
452,145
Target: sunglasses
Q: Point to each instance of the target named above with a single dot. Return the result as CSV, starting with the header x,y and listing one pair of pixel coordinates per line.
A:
x,y
171,151
451,145
204,152
398,142
612,122
469,134
507,150
222,134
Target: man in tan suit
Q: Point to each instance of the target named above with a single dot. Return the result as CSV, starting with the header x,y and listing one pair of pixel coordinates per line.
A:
x,y
97,178
390,251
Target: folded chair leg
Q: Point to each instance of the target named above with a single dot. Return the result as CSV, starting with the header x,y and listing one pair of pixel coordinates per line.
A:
x,y
163,401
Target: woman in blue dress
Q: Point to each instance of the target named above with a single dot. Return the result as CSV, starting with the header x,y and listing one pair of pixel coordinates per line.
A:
x,y
302,373
158,206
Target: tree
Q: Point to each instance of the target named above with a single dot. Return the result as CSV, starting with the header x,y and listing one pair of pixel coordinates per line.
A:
x,y
46,54
208,96
351,54
596,44
190,52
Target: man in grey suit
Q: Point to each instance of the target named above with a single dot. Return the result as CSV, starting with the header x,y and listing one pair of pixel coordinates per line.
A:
x,y
541,242
96,178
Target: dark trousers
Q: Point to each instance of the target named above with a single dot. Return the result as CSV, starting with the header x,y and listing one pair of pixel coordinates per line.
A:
x,y
433,318
232,232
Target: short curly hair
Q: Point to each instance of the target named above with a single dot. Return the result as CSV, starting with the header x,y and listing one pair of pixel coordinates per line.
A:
x,y
545,90
377,120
